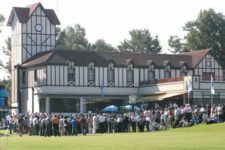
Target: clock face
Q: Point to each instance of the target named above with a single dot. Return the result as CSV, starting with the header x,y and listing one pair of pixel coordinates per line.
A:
x,y
38,28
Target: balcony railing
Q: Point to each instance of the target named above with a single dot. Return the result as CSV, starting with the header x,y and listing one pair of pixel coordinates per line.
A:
x,y
215,78
165,80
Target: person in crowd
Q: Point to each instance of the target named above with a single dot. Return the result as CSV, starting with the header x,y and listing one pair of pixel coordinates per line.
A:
x,y
125,122
55,122
146,114
219,112
61,125
20,125
94,124
46,126
67,125
133,122
83,123
35,125
74,125
11,123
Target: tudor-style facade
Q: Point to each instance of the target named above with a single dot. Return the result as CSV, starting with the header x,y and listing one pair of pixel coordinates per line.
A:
x,y
45,79
33,32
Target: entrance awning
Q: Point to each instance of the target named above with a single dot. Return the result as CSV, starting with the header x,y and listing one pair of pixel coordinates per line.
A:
x,y
162,96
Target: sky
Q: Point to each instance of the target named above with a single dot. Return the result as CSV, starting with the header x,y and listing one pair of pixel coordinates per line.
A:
x,y
112,20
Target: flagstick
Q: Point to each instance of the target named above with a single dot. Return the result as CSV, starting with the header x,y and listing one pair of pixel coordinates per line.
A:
x,y
188,98
211,99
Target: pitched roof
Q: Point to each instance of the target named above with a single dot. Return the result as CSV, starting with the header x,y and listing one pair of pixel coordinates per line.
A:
x,y
23,14
197,56
61,57
82,58
144,60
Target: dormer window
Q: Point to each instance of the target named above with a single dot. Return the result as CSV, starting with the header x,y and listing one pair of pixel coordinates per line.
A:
x,y
110,75
167,67
91,74
71,73
130,75
151,72
167,71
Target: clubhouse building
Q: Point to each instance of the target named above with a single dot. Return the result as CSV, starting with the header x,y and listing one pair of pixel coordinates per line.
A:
x,y
47,79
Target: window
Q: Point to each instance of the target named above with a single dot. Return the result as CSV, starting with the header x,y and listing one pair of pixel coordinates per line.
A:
x,y
130,75
110,75
151,72
71,73
151,75
183,70
23,77
91,74
167,71
208,62
207,75
35,75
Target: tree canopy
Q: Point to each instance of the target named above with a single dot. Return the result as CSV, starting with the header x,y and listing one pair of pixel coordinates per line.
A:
x,y
207,31
72,38
7,51
141,41
2,19
101,46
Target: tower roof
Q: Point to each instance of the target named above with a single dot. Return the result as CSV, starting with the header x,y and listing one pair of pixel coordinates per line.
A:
x,y
24,13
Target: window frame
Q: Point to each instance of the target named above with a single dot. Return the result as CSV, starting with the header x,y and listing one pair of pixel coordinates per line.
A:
x,y
111,75
130,75
151,72
167,73
91,74
71,73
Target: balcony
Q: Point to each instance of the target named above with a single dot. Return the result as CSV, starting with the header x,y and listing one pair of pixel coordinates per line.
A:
x,y
215,78
157,81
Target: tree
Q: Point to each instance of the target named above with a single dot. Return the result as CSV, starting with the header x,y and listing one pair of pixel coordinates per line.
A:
x,y
7,51
141,41
176,45
2,19
72,38
207,31
101,46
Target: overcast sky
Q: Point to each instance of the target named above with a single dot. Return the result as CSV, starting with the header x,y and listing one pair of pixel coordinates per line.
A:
x,y
112,19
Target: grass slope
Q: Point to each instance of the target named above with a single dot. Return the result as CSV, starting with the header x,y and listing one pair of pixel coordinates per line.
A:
x,y
201,137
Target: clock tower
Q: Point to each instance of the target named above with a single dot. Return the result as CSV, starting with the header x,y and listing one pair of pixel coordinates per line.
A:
x,y
33,32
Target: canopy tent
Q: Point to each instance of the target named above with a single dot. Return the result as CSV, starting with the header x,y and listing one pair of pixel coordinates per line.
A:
x,y
130,107
110,108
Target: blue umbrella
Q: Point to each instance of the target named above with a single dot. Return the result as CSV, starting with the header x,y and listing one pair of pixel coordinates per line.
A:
x,y
110,108
130,107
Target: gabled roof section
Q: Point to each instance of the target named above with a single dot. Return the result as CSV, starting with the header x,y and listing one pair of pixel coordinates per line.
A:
x,y
61,57
143,59
197,56
39,59
23,14
82,58
166,62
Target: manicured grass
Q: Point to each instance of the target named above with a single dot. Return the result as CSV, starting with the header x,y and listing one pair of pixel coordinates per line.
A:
x,y
201,137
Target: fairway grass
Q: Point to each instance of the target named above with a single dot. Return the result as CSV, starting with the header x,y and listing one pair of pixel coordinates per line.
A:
x,y
200,137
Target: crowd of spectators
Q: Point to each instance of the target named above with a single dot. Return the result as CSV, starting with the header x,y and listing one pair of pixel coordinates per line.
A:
x,y
156,119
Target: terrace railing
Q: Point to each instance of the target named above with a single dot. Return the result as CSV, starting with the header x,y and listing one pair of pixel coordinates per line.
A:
x,y
165,80
215,78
